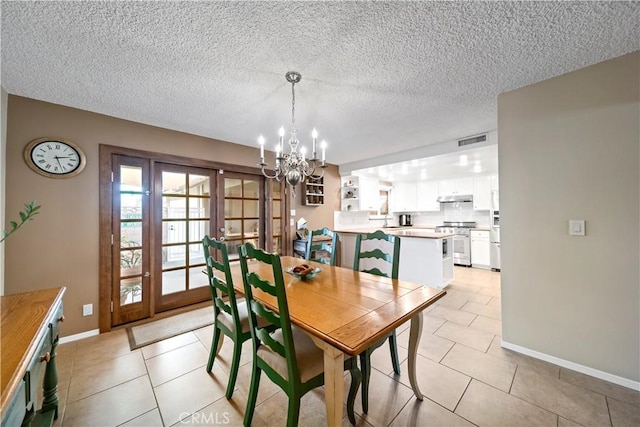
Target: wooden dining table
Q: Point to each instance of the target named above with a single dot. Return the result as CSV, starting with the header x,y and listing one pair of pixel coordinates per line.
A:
x,y
345,312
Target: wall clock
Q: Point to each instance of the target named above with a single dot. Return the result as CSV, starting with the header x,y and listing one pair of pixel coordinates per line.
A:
x,y
54,157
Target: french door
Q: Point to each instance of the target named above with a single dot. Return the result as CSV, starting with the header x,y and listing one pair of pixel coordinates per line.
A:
x,y
184,212
154,211
130,240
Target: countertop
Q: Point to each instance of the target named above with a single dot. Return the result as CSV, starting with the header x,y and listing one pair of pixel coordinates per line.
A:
x,y
400,231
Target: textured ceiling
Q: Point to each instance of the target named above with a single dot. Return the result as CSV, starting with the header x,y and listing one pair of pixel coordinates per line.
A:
x,y
377,77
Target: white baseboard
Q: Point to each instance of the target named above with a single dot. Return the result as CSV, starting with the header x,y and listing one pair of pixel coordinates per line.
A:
x,y
80,336
625,382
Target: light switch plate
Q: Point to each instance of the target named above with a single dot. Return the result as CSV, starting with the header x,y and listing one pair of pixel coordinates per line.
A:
x,y
576,227
87,309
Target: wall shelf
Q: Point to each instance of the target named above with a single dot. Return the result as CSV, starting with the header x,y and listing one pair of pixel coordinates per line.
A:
x,y
313,189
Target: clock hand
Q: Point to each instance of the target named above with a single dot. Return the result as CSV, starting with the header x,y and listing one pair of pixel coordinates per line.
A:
x,y
58,159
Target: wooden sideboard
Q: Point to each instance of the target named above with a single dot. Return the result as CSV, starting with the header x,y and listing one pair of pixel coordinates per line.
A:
x,y
30,325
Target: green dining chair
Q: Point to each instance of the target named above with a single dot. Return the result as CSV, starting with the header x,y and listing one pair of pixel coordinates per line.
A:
x,y
285,353
230,316
328,246
370,261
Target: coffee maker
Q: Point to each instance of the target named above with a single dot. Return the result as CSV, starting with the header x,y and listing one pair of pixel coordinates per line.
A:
x,y
404,220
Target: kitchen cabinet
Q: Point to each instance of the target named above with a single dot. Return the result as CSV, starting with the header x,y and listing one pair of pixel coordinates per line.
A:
x,y
480,249
458,186
427,196
482,193
424,259
403,197
369,194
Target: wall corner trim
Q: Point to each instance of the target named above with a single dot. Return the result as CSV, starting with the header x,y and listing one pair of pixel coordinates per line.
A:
x,y
625,382
81,335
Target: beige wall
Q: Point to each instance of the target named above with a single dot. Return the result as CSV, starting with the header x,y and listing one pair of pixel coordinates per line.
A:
x,y
568,149
60,247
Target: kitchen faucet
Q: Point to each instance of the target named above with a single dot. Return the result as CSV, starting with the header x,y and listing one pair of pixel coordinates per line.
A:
x,y
386,224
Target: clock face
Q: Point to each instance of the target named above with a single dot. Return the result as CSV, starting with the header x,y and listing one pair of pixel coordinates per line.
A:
x,y
54,158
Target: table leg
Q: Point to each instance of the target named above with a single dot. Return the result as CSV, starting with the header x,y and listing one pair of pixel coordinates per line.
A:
x,y
415,332
333,382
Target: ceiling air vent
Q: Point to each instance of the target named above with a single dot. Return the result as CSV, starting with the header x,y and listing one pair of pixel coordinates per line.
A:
x,y
472,140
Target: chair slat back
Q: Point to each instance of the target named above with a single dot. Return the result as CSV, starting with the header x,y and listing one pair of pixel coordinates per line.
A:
x,y
322,245
280,320
392,257
220,280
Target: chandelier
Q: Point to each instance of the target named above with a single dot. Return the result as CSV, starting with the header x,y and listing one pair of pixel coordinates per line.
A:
x,y
293,166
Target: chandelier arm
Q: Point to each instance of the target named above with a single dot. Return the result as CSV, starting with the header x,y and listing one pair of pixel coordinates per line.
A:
x,y
262,165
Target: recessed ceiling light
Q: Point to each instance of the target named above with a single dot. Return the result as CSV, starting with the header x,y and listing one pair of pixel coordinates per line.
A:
x,y
477,168
464,160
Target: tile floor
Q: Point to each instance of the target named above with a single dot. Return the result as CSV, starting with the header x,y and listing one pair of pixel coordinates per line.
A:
x,y
467,379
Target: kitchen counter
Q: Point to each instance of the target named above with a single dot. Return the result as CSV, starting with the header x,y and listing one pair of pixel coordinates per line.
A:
x,y
424,233
425,257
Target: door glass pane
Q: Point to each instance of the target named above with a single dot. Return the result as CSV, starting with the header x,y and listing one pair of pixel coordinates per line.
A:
x,y
251,228
250,189
276,209
196,255
130,290
276,190
198,185
276,227
130,206
173,281
130,262
174,207
174,231
250,208
233,228
174,183
197,279
130,178
232,187
233,208
130,234
233,250
174,256
198,207
277,245
197,230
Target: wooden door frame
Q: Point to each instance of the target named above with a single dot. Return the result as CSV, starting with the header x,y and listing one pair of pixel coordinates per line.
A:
x,y
105,213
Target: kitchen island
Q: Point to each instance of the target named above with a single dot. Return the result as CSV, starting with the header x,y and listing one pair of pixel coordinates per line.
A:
x,y
425,257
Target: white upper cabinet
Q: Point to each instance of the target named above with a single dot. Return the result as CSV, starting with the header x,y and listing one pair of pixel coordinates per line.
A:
x,y
458,186
369,194
482,193
403,197
427,196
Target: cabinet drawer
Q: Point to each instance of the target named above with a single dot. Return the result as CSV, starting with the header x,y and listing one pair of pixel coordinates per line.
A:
x,y
481,234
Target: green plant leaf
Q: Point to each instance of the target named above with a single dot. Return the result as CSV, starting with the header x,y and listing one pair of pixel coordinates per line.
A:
x,y
31,209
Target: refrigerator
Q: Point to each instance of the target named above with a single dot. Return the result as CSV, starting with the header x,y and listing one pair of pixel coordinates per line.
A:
x,y
494,232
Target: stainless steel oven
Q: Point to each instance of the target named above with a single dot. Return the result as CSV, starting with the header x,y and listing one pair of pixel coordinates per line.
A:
x,y
461,240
